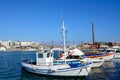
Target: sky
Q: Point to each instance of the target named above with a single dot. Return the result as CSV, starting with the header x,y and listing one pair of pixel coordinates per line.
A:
x,y
41,20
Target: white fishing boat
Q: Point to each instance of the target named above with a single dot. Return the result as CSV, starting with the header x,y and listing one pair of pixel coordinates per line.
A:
x,y
46,65
78,54
107,56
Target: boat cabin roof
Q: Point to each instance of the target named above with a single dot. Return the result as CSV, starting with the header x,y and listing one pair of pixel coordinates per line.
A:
x,y
44,54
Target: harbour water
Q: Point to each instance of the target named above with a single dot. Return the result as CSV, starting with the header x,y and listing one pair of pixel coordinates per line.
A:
x,y
11,69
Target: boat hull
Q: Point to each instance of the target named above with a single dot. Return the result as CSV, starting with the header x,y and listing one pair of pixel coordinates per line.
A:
x,y
53,70
117,55
97,63
105,56
108,57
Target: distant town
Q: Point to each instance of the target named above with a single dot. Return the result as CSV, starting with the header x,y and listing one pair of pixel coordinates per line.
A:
x,y
18,45
33,46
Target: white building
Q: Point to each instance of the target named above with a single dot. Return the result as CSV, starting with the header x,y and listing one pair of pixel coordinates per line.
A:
x,y
2,49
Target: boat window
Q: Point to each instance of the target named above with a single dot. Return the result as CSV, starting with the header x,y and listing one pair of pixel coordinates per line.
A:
x,y
48,55
45,50
40,55
117,51
108,50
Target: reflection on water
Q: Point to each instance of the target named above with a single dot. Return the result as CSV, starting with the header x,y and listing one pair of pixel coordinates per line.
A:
x,y
108,71
108,64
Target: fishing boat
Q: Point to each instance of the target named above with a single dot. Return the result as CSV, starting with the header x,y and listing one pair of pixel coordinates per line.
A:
x,y
78,54
46,65
107,56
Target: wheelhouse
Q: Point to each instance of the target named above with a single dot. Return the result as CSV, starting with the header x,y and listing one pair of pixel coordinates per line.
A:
x,y
44,58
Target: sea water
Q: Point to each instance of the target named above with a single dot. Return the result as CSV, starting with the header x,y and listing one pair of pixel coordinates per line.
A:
x,y
11,68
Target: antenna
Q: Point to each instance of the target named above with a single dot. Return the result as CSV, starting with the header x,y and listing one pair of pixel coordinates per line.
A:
x,y
63,35
64,38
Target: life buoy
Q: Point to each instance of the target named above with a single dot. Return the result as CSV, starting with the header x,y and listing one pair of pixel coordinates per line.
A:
x,y
60,55
69,53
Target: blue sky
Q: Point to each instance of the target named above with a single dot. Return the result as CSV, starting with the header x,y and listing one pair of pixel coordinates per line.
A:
x,y
40,20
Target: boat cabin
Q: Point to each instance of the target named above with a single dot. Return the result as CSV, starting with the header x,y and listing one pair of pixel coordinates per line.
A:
x,y
44,57
75,54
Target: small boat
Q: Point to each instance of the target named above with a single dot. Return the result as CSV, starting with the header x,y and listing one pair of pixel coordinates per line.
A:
x,y
46,65
78,54
107,56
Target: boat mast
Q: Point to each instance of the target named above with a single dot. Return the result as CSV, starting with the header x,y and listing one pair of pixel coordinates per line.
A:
x,y
64,38
93,33
63,35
